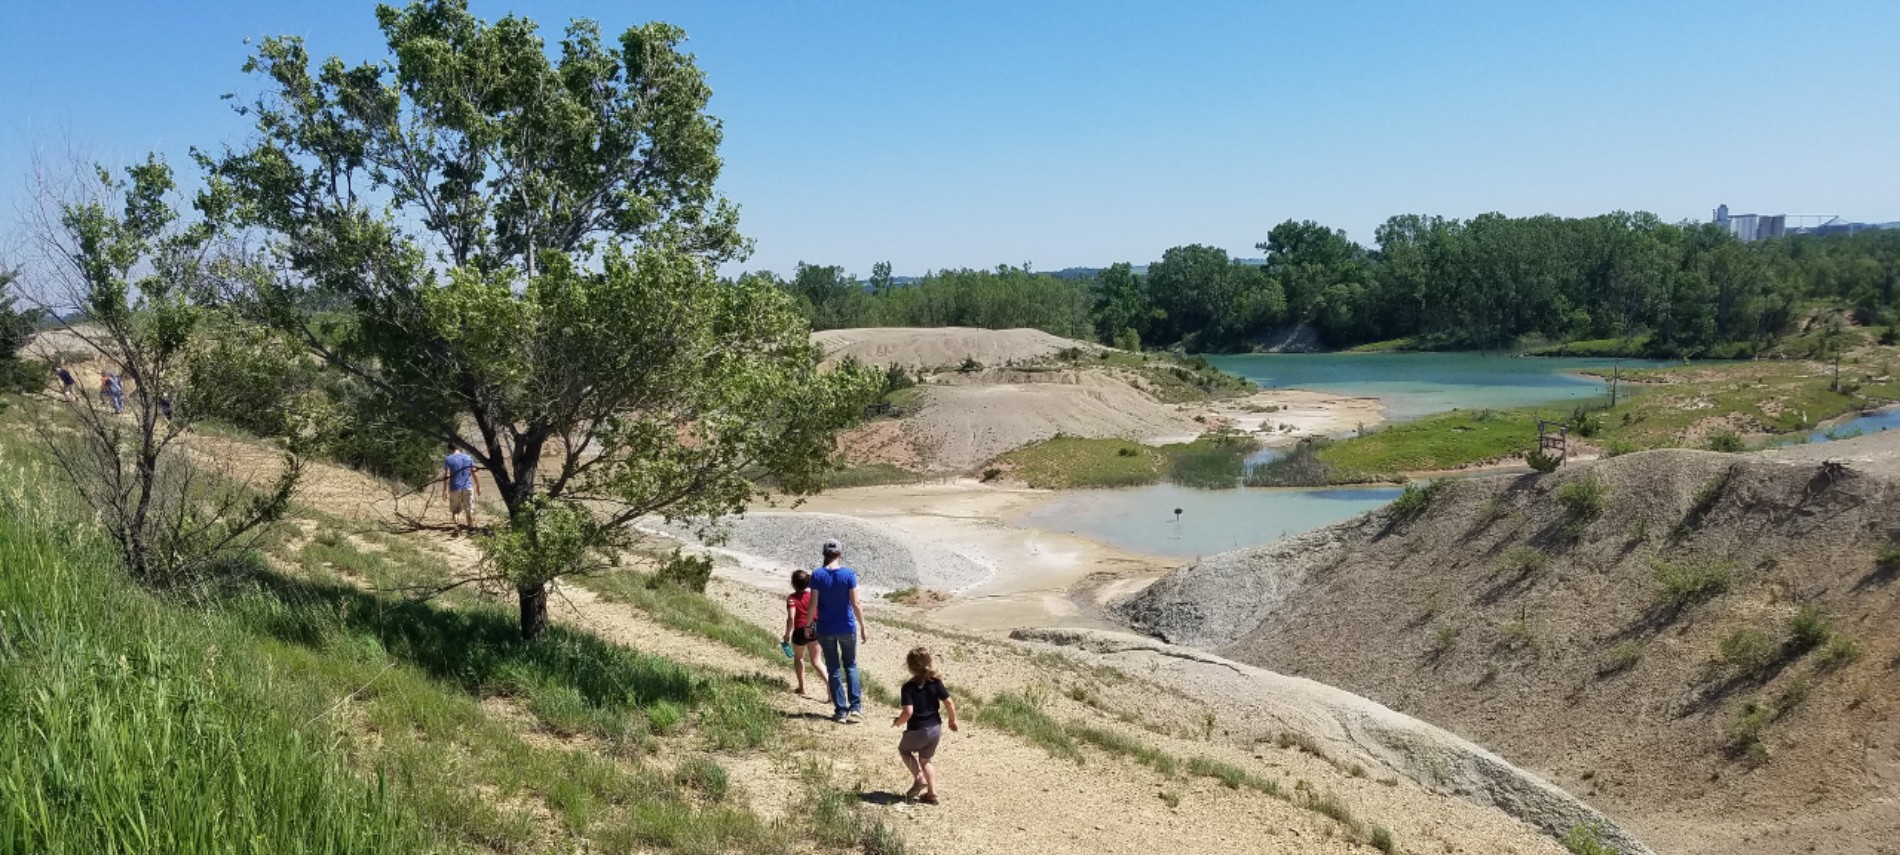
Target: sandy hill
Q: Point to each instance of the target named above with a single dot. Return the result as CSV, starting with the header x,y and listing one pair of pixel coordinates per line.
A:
x,y
1706,646
941,347
1021,394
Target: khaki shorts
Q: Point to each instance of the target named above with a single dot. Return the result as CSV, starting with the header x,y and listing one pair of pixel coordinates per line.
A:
x,y
460,501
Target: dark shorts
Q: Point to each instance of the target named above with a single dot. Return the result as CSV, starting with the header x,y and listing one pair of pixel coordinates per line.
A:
x,y
921,742
804,635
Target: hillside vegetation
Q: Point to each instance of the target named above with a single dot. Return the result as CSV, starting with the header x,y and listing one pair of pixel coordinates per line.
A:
x,y
1703,643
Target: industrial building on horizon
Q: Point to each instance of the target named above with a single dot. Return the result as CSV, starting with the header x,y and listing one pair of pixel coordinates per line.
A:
x,y
1754,227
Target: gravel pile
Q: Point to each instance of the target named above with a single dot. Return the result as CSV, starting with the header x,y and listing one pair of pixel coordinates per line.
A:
x,y
788,541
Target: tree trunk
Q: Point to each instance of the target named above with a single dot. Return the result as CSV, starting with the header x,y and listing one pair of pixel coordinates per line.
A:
x,y
534,610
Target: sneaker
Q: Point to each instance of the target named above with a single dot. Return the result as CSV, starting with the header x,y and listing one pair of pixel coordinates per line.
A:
x,y
839,718
854,717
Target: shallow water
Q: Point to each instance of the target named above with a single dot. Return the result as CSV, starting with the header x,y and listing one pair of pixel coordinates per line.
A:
x,y
1412,385
1860,425
1142,519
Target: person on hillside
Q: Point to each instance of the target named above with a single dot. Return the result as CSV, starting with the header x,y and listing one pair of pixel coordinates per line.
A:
x,y
800,633
927,707
841,626
66,382
110,392
460,485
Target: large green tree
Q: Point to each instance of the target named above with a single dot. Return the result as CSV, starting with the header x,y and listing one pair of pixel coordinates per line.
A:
x,y
521,245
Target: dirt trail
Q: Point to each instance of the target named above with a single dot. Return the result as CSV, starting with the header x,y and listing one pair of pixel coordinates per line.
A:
x,y
1002,794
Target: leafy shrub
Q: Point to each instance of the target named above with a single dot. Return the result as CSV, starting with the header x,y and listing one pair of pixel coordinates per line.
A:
x,y
1381,839
1679,586
969,365
1523,562
1745,735
1748,653
1808,629
1726,440
1888,557
691,572
1541,462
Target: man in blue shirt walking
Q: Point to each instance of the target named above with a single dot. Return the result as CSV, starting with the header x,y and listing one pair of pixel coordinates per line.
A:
x,y
841,626
459,484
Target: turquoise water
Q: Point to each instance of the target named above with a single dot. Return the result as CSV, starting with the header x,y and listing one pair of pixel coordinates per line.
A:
x,y
1413,385
1860,425
1142,520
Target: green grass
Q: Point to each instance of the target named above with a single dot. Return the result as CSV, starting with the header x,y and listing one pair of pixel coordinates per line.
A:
x,y
1387,346
1022,714
1067,462
1444,441
293,715
1584,840
1416,498
1213,462
680,609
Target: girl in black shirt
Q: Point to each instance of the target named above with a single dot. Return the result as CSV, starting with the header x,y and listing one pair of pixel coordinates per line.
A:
x,y
926,704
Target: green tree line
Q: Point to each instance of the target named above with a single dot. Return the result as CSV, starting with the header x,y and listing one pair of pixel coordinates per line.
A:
x,y
1628,280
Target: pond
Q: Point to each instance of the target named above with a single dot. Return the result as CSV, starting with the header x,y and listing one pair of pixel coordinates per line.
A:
x,y
1413,385
1860,425
1142,519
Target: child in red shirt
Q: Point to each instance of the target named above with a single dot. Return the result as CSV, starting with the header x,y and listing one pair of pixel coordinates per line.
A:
x,y
799,631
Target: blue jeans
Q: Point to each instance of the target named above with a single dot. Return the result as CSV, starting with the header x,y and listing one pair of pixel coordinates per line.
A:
x,y
841,671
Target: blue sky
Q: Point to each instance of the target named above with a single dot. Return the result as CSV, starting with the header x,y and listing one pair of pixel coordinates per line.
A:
x,y
977,133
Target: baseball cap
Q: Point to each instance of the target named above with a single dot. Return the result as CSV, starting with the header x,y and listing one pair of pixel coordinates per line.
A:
x,y
832,545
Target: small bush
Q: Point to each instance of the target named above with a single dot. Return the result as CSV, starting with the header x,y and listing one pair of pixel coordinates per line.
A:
x,y
1415,498
1745,735
1584,840
1888,557
1808,629
1381,839
969,365
1748,653
691,572
1619,658
1727,441
1619,447
1583,499
1680,586
1538,461
1840,651
1445,638
1171,798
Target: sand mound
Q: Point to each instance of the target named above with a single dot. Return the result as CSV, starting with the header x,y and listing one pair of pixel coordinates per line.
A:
x,y
937,347
1498,613
966,426
777,542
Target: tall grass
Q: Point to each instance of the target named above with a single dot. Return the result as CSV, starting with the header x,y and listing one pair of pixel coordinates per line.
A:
x,y
135,730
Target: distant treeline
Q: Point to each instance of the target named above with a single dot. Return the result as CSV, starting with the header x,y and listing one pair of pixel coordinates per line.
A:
x,y
1491,282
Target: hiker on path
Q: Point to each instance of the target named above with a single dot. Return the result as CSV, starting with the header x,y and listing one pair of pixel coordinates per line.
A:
x,y
66,382
926,705
460,485
841,626
110,392
800,632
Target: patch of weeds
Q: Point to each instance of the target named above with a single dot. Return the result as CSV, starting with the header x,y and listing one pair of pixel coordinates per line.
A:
x,y
1745,734
1492,510
831,814
1301,742
1586,840
702,775
1541,461
1415,499
1621,657
1381,839
1522,562
1748,653
1021,714
1329,804
1231,776
1808,629
1444,639
1792,695
1887,558
1839,652
1679,586
1171,798
1121,745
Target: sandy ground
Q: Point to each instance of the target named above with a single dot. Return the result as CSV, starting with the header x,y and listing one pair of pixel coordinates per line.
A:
x,y
966,426
939,347
1032,578
1282,416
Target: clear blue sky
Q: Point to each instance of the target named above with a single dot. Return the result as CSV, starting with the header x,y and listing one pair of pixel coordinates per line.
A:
x,y
976,133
